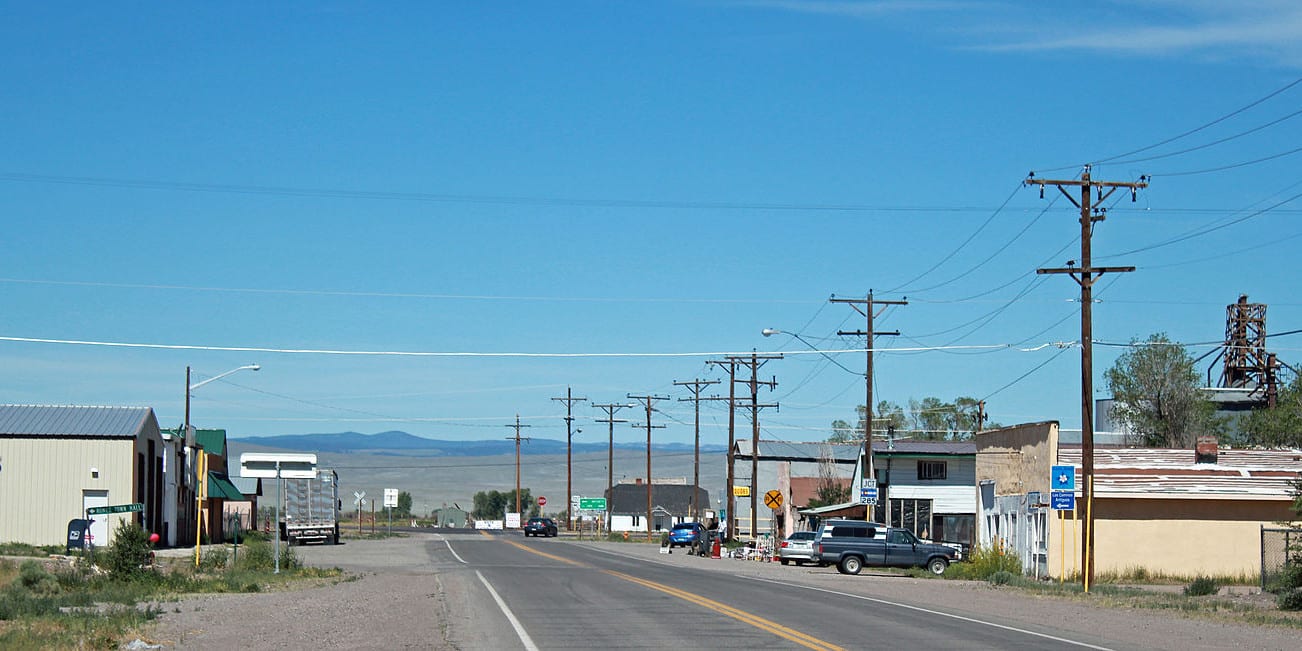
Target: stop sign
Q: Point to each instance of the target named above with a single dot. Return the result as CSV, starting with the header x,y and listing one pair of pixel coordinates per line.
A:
x,y
542,501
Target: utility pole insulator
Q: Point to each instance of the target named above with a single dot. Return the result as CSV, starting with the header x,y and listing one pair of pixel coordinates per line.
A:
x,y
1086,275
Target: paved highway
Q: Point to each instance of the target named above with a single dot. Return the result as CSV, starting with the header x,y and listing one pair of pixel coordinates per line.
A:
x,y
549,593
466,590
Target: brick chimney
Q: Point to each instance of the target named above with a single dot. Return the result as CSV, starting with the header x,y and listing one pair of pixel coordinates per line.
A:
x,y
1205,450
638,481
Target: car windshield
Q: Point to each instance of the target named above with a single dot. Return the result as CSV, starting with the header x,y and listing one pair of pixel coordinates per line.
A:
x,y
802,535
684,526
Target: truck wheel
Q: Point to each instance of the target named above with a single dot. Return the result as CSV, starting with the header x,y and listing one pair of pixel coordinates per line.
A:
x,y
785,561
937,565
850,565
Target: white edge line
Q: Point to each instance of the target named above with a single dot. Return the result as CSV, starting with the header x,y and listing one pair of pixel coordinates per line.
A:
x,y
454,552
937,612
515,623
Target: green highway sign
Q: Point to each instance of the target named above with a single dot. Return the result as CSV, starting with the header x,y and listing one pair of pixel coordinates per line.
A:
x,y
120,508
592,504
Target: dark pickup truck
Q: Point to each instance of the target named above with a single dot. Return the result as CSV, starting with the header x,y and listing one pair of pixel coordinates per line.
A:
x,y
852,544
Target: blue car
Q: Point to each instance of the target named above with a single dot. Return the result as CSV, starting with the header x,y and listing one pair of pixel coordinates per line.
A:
x,y
685,534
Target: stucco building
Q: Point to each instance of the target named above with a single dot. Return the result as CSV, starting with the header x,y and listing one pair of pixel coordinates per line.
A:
x,y
1158,509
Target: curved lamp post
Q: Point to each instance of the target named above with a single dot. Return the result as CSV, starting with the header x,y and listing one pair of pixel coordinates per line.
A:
x,y
200,466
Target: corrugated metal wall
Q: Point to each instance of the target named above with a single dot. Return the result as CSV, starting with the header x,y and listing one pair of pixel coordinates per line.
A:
x,y
42,479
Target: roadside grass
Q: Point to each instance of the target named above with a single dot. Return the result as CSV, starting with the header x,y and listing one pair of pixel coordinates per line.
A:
x,y
1119,590
23,549
64,602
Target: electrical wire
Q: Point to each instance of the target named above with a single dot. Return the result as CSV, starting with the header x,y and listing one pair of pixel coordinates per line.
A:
x,y
903,286
1212,143
1231,166
1205,231
142,184
1190,132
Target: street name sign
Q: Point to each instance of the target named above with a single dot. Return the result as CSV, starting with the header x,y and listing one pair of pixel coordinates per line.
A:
x,y
1063,500
120,508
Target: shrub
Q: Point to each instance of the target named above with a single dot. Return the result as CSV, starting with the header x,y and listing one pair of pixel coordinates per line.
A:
x,y
214,560
1002,577
1202,585
1290,599
986,561
128,556
32,576
261,555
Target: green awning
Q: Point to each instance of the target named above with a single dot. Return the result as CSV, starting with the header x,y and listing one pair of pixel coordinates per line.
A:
x,y
221,488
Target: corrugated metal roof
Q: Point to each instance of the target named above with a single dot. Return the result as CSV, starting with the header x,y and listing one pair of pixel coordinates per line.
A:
x,y
796,451
1168,473
849,452
71,420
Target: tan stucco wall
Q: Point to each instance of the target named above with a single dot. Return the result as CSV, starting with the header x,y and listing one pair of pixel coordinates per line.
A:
x,y
1017,458
1177,537
42,480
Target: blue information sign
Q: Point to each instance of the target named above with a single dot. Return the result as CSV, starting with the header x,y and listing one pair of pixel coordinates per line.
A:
x,y
868,495
1063,501
1062,478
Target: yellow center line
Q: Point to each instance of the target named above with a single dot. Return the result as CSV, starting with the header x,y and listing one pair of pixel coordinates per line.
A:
x,y
779,630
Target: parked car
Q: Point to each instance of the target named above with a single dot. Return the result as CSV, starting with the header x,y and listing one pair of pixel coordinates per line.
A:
x,y
685,534
851,544
540,527
798,547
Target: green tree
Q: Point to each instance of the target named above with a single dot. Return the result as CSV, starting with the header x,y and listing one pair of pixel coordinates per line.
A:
x,y
888,415
830,489
403,509
1280,426
1156,394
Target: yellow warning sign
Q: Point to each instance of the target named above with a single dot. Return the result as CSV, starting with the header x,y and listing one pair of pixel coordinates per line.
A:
x,y
773,500
741,491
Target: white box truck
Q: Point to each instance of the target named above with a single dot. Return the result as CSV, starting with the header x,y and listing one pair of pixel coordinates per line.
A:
x,y
310,512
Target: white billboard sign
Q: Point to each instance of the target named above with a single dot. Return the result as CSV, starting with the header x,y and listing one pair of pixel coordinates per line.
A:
x,y
267,464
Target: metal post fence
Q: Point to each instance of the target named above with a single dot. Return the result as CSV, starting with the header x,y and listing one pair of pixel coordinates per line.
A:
x,y
1279,548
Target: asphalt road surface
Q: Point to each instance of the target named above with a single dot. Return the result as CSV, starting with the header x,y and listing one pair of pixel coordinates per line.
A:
x,y
505,591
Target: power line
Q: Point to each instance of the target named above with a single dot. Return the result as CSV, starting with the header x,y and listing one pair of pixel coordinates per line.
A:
x,y
1212,143
1186,133
430,197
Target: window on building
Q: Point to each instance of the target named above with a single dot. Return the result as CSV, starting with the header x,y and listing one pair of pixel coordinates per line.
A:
x,y
914,515
931,470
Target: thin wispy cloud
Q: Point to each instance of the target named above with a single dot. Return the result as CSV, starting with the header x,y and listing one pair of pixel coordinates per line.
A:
x,y
855,8
1269,30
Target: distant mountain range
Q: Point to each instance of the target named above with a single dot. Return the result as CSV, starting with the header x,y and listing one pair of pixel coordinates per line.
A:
x,y
398,443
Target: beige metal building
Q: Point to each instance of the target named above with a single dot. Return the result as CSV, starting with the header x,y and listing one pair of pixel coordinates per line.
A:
x,y
58,461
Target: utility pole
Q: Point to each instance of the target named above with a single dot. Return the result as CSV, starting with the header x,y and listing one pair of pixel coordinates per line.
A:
x,y
754,361
610,419
1086,275
981,416
696,387
648,401
517,427
869,312
730,505
569,401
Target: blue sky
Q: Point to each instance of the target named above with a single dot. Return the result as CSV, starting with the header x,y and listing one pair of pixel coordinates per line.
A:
x,y
599,182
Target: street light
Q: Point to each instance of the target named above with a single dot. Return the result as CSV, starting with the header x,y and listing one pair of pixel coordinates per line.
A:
x,y
200,466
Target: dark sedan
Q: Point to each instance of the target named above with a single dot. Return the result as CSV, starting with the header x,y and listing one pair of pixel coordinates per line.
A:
x,y
540,527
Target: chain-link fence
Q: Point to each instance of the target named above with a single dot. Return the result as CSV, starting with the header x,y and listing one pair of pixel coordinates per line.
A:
x,y
1279,547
